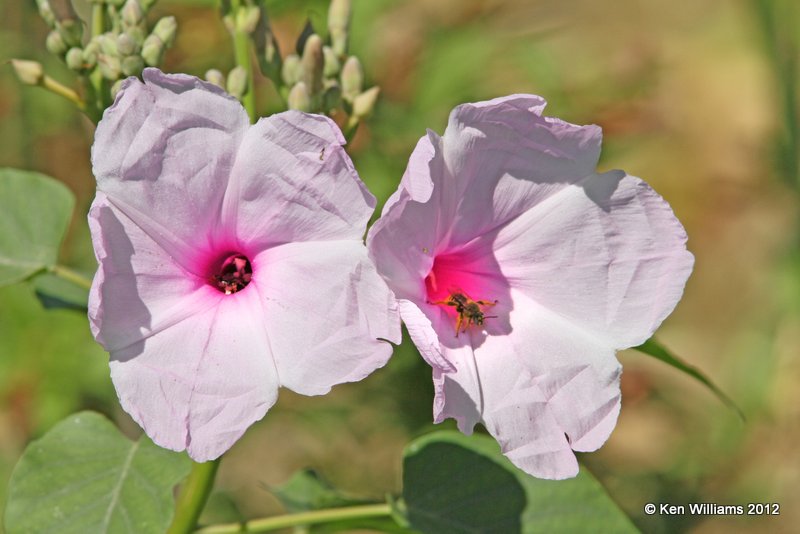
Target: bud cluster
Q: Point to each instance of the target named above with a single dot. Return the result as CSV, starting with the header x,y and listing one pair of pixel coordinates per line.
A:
x,y
123,51
322,77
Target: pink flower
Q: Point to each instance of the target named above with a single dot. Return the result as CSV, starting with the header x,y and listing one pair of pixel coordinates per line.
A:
x,y
231,261
503,228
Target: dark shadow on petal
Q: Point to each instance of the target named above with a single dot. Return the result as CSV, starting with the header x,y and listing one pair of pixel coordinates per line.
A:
x,y
123,315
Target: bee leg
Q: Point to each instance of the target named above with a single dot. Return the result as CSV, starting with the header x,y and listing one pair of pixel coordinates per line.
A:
x,y
446,302
458,323
486,303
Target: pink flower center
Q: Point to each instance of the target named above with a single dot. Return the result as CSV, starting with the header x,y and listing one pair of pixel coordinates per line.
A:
x,y
448,284
232,274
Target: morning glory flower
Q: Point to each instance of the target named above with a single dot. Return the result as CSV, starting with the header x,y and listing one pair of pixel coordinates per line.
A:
x,y
231,261
520,271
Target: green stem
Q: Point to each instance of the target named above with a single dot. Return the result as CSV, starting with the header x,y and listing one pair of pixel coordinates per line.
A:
x,y
62,90
193,496
241,48
304,518
71,276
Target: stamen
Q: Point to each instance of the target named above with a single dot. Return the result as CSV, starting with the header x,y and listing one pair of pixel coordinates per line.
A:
x,y
234,274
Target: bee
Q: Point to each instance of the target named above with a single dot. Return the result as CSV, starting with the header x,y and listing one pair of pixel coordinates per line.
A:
x,y
469,311
322,154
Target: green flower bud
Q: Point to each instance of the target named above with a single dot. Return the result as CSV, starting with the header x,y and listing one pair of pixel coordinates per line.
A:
x,y
338,25
299,98
115,89
165,30
90,55
247,18
55,43
153,50
46,12
216,77
352,79
107,44
28,72
74,58
132,14
365,102
237,81
308,31
132,65
332,65
125,44
71,31
137,35
290,72
109,66
147,4
313,64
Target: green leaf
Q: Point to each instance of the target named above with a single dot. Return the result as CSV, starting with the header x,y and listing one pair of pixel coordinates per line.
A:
x,y
84,476
55,292
34,213
462,484
306,490
653,348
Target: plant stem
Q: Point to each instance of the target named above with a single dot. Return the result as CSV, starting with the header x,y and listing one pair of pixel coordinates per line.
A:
x,y
62,90
241,47
71,276
304,518
193,496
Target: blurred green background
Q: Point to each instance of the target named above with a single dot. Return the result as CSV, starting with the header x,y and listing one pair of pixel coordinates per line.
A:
x,y
700,100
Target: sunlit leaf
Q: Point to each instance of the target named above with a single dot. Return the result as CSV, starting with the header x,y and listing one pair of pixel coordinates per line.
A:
x,y
84,476
462,484
34,213
653,348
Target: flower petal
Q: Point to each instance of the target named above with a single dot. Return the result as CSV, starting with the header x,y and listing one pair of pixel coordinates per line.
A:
x,y
163,154
608,254
502,157
139,289
327,312
422,333
541,392
293,181
199,384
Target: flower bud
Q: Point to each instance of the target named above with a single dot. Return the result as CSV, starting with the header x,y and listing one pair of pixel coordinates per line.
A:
x,y
132,14
153,50
71,31
74,58
28,72
107,44
137,35
147,4
332,65
237,81
46,12
55,43
365,102
109,66
216,77
132,65
313,64
247,18
290,72
299,98
308,31
165,30
338,24
125,44
352,79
